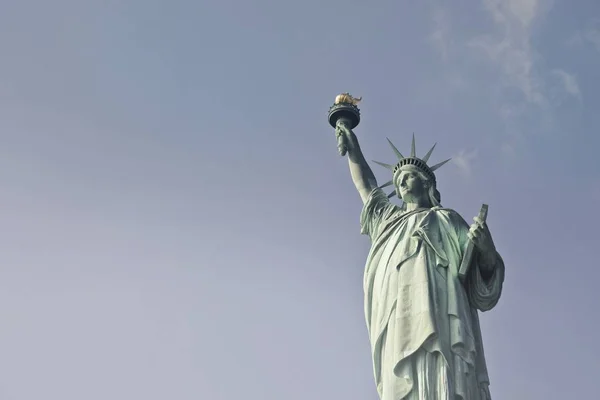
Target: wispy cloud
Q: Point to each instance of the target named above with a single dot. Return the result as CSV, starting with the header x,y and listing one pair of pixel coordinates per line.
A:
x,y
509,46
464,161
595,191
590,35
510,49
500,60
440,35
569,82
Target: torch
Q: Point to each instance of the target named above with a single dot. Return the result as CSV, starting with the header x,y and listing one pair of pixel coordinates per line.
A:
x,y
344,111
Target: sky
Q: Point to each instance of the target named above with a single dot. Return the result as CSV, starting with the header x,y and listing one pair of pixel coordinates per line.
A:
x,y
177,222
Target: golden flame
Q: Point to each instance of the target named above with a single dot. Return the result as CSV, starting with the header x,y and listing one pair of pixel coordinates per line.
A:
x,y
346,98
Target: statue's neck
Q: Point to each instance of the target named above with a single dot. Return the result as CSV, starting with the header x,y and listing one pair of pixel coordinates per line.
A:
x,y
417,205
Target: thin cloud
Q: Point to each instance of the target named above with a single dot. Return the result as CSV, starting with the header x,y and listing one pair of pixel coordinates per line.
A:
x,y
593,36
569,82
524,91
510,46
590,35
439,37
508,150
464,161
595,192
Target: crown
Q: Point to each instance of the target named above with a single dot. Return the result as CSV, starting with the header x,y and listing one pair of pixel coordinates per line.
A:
x,y
412,160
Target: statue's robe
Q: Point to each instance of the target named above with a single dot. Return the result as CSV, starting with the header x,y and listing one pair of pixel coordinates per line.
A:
x,y
422,320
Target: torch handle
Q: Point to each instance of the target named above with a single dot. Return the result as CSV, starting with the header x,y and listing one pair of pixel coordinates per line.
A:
x,y
342,145
341,138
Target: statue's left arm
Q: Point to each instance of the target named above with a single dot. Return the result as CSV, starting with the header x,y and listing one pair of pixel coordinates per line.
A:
x,y
485,280
486,253
486,274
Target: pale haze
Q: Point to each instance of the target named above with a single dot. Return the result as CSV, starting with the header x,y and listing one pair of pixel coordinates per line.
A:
x,y
176,222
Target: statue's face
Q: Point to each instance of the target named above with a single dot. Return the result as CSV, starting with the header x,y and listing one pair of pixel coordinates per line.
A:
x,y
411,187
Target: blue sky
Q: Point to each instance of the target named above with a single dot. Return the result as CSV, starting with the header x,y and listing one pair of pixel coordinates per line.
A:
x,y
177,223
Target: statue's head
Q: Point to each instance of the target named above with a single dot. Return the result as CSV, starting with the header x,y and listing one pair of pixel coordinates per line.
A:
x,y
414,181
414,186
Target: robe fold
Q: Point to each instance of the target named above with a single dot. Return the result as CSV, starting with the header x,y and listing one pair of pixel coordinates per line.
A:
x,y
422,320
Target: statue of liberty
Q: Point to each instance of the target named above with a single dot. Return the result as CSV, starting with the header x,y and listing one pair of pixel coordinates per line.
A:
x,y
421,313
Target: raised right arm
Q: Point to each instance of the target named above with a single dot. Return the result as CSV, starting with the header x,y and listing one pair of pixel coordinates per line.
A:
x,y
361,173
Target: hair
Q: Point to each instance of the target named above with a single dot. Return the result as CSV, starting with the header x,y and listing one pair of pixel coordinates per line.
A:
x,y
434,196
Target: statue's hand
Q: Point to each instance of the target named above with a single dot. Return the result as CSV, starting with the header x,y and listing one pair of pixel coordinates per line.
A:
x,y
344,137
480,235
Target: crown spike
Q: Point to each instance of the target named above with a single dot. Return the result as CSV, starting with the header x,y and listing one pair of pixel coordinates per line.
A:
x,y
436,166
391,194
413,152
398,154
426,158
388,166
389,183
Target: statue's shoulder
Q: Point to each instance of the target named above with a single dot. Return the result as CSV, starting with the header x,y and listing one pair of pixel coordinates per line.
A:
x,y
444,211
449,215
